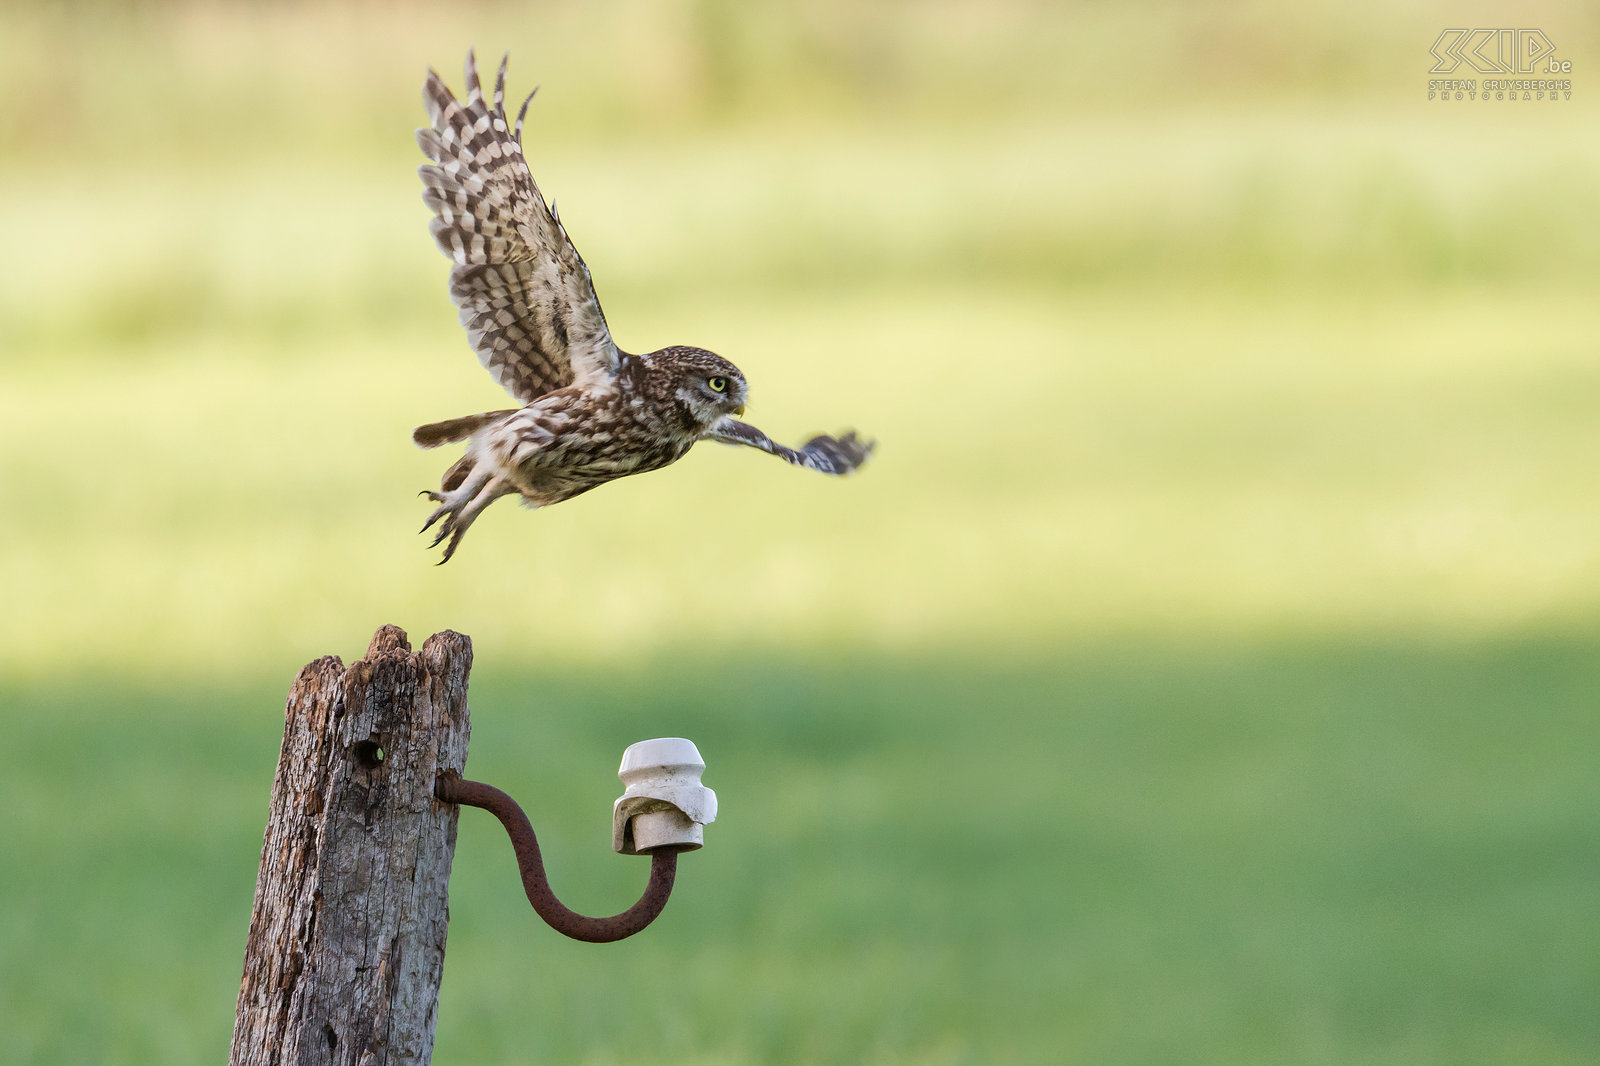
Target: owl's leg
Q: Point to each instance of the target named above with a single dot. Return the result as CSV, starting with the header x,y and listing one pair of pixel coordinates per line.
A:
x,y
457,524
461,483
463,506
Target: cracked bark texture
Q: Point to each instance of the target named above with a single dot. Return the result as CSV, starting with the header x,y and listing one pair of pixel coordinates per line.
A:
x,y
347,936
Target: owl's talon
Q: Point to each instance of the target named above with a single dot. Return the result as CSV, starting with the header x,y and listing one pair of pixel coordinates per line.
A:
x,y
461,506
450,549
444,531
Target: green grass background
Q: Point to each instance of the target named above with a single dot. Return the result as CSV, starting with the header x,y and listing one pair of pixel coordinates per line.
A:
x,y
1205,670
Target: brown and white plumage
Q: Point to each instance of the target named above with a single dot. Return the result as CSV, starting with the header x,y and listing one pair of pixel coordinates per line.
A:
x,y
592,413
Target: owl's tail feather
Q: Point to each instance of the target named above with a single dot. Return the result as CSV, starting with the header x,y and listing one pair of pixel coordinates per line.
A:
x,y
454,429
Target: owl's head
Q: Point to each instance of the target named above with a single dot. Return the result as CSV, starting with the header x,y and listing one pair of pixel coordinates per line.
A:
x,y
706,386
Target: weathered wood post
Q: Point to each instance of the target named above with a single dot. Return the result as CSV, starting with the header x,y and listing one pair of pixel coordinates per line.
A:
x,y
347,936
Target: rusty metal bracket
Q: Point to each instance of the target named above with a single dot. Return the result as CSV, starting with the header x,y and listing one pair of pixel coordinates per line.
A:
x,y
663,868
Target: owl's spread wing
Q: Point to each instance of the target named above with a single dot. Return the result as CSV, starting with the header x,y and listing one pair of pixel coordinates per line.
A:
x,y
523,291
826,455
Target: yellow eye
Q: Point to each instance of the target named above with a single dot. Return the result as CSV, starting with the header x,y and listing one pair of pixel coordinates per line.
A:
x,y
718,384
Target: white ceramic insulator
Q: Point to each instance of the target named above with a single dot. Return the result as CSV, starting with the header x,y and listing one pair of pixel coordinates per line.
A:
x,y
664,802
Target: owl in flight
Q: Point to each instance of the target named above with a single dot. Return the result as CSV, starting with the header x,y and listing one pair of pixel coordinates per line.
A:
x,y
591,412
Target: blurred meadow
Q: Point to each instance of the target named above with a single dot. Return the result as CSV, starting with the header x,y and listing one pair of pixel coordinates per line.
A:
x,y
1204,671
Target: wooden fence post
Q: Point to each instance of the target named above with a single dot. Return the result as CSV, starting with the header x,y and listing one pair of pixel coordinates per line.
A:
x,y
347,936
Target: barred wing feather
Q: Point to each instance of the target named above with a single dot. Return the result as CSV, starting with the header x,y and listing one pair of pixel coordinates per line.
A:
x,y
826,455
523,292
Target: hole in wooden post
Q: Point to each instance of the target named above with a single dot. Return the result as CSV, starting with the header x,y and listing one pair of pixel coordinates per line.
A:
x,y
368,754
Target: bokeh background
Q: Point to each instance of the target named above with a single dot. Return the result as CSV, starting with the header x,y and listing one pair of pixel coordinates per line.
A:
x,y
1205,671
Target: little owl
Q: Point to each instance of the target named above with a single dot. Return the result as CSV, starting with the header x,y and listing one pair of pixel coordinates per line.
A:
x,y
592,412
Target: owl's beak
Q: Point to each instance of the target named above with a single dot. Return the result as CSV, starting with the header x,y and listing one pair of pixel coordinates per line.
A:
x,y
739,411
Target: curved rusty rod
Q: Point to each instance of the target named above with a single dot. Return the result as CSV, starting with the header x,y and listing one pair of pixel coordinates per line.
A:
x,y
663,869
